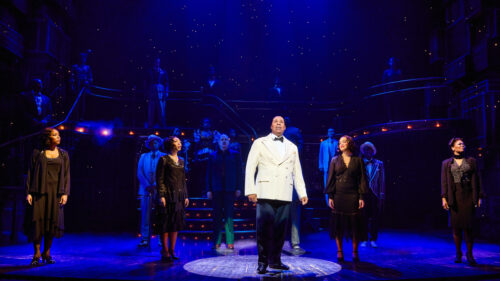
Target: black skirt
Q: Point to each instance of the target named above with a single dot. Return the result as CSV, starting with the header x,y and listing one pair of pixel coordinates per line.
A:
x,y
45,217
171,218
463,211
346,220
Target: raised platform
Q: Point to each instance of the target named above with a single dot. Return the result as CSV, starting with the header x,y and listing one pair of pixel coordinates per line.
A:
x,y
400,255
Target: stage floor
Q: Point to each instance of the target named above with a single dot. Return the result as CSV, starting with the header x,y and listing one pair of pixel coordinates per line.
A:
x,y
400,255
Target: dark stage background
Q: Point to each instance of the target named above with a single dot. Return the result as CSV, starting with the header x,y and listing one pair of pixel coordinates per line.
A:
x,y
328,55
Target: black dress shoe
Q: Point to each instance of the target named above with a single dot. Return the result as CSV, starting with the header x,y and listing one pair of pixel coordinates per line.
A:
x,y
340,256
35,261
280,266
172,254
48,260
262,268
355,257
470,259
167,259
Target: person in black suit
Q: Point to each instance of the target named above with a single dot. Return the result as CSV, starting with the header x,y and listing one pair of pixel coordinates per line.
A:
x,y
213,86
157,86
224,183
461,194
37,107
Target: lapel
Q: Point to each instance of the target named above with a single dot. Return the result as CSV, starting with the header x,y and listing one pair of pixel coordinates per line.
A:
x,y
268,143
288,150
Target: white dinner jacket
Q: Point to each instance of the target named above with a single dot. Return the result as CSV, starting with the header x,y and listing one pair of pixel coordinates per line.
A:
x,y
276,176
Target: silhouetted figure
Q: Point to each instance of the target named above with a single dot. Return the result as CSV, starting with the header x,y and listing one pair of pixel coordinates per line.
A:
x,y
205,140
327,150
81,78
37,109
212,86
157,89
276,91
393,73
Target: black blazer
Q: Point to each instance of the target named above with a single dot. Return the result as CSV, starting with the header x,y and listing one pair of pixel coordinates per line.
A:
x,y
448,186
224,168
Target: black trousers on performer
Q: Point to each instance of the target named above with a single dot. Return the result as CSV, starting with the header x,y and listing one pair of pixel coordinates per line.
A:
x,y
372,213
273,218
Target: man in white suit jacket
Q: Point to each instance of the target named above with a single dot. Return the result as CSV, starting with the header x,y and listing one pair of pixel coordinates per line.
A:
x,y
277,161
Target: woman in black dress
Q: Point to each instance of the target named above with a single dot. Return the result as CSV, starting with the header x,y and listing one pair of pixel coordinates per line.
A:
x,y
47,190
171,185
347,184
461,194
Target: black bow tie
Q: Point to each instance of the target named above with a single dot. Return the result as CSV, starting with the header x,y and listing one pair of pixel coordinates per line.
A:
x,y
278,139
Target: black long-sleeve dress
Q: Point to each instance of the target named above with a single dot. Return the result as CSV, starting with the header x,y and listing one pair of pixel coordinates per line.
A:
x,y
48,179
346,186
171,184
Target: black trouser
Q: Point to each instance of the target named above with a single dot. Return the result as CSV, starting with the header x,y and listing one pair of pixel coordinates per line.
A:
x,y
372,215
272,223
223,206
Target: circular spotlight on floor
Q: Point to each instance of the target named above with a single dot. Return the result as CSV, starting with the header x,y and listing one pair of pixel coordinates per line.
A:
x,y
238,267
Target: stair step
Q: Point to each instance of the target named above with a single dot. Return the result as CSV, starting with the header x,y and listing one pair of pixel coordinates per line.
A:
x,y
207,225
207,235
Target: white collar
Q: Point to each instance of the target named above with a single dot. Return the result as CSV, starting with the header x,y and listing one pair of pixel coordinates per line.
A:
x,y
272,136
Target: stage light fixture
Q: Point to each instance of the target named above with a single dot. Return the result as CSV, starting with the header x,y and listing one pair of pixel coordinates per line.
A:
x,y
105,132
